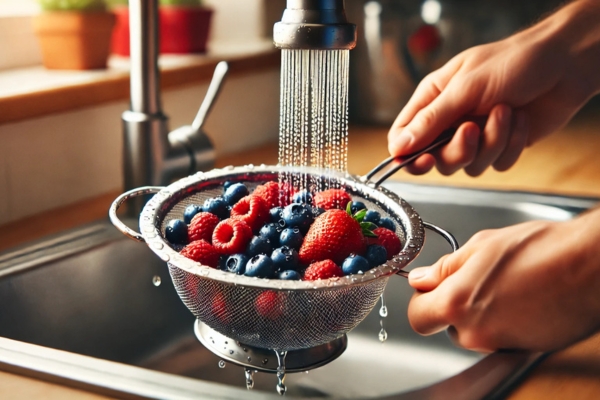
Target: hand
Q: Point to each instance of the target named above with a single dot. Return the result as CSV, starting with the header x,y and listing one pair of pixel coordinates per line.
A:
x,y
527,86
529,286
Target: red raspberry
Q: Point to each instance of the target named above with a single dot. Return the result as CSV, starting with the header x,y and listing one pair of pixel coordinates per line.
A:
x,y
253,210
268,192
387,239
202,226
269,304
202,252
322,270
332,198
220,309
231,236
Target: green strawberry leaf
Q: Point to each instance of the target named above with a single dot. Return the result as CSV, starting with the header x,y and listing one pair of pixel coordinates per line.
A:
x,y
349,208
360,215
368,225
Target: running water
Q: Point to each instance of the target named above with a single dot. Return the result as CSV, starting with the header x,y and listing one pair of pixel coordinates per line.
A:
x,y
313,127
383,313
281,389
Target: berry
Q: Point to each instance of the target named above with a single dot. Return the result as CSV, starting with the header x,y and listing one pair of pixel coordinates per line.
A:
x,y
235,193
253,210
269,304
332,198
275,214
269,192
271,231
324,269
217,206
260,266
226,185
220,308
236,263
356,206
176,232
202,226
231,236
190,211
387,239
372,216
291,237
297,215
387,223
376,255
290,275
303,197
285,258
355,264
202,252
316,211
259,245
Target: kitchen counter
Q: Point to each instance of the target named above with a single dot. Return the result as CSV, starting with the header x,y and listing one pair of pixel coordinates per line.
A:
x,y
565,163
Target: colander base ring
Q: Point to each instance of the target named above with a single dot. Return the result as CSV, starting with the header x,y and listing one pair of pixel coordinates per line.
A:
x,y
265,360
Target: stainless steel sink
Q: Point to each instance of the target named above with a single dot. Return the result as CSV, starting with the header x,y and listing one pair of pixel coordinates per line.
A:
x,y
84,309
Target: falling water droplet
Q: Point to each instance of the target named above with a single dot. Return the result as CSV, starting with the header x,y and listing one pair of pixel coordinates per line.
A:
x,y
222,364
156,281
281,389
383,311
382,333
249,378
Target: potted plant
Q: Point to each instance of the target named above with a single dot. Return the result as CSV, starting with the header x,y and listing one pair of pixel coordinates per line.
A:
x,y
74,34
184,26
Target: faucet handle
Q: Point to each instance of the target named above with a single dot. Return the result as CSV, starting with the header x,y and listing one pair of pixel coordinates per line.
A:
x,y
213,91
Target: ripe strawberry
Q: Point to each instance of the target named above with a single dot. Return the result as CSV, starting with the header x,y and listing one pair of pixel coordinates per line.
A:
x,y
231,236
202,226
331,199
322,270
269,304
253,210
268,192
387,239
202,252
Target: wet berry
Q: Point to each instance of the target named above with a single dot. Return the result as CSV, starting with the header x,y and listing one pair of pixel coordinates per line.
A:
x,y
235,193
260,266
372,216
297,215
291,237
289,275
176,232
259,245
376,255
355,264
285,258
190,211
236,263
217,206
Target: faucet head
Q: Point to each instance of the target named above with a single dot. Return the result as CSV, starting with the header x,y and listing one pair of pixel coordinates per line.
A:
x,y
314,25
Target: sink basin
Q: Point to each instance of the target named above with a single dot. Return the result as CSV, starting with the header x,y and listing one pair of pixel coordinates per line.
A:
x,y
93,309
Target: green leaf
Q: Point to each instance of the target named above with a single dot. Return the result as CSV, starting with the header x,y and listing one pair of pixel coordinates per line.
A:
x,y
360,215
368,225
349,208
369,234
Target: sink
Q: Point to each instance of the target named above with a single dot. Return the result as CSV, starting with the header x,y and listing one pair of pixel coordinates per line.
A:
x,y
92,309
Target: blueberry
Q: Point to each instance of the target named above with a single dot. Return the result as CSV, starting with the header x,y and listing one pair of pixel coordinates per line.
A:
x,y
271,231
387,223
297,215
190,211
289,275
291,237
236,263
353,264
217,206
356,206
275,214
285,258
372,216
303,197
376,255
226,185
259,245
316,211
260,266
235,192
176,232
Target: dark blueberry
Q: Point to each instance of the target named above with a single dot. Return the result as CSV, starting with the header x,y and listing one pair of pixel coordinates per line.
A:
x,y
303,197
353,264
289,275
271,231
297,215
356,206
176,232
376,255
190,211
291,237
387,223
275,214
235,192
236,263
285,258
226,185
259,245
260,266
217,206
316,211
372,216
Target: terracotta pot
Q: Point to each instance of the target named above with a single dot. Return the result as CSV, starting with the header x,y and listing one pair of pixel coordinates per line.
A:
x,y
74,40
120,36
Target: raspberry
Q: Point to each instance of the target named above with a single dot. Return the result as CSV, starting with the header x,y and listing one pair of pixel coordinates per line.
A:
x,y
269,192
387,239
231,236
269,304
322,270
332,198
202,252
253,210
220,309
202,226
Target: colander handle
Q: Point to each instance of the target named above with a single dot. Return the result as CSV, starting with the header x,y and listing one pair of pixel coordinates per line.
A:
x,y
443,233
112,211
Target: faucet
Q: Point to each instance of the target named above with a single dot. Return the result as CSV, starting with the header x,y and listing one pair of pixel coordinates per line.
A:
x,y
152,154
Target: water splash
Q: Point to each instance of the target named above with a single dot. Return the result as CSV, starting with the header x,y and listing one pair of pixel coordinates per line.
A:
x,y
281,389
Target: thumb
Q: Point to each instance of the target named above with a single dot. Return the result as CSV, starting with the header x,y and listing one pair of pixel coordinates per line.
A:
x,y
425,279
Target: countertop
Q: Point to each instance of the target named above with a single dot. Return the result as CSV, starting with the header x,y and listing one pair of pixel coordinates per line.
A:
x,y
565,163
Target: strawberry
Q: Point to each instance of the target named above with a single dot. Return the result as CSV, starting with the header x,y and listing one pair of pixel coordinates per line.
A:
x,y
253,210
332,199
387,239
269,304
322,270
231,236
202,226
268,192
335,235
202,252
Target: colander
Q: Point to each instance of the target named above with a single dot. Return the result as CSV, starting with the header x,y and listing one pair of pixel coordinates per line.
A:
x,y
303,314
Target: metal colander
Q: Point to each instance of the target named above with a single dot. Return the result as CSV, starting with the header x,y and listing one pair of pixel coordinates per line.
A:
x,y
298,314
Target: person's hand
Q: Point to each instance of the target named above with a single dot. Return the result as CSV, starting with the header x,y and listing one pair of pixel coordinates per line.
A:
x,y
533,286
527,86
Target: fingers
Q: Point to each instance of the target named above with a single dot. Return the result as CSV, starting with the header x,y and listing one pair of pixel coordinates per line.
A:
x,y
516,144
